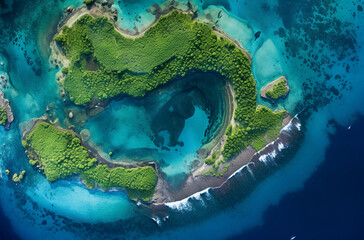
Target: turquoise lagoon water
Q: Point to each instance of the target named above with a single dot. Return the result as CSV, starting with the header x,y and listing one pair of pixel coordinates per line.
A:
x,y
128,135
66,210
169,125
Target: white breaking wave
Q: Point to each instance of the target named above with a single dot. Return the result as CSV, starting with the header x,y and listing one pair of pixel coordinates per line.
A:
x,y
182,205
239,172
186,205
269,157
288,127
208,195
250,171
236,173
157,220
281,146
298,126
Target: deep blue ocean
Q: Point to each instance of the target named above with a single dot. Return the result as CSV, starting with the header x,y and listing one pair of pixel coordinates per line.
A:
x,y
317,194
330,204
6,228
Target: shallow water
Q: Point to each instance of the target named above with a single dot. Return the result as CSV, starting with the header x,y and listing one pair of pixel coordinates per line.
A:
x,y
293,33
169,125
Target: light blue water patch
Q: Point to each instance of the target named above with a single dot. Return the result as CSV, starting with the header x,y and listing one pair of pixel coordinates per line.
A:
x,y
31,92
136,14
238,29
268,61
3,68
29,227
12,157
72,200
128,126
181,158
129,18
128,135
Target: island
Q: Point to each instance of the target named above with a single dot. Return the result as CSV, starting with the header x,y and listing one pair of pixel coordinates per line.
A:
x,y
101,62
274,90
6,114
60,154
18,178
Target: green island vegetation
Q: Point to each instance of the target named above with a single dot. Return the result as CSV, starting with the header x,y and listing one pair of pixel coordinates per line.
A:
x,y
252,133
18,178
64,70
89,2
104,64
214,157
279,90
3,117
229,130
263,128
60,154
216,171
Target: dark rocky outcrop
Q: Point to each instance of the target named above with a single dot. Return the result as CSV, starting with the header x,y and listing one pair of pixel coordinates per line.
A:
x,y
4,103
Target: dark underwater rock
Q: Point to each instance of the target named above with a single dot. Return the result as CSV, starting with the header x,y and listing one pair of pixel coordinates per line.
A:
x,y
257,35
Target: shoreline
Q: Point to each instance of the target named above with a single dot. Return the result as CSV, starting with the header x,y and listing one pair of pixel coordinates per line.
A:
x,y
27,127
5,104
240,184
269,87
196,182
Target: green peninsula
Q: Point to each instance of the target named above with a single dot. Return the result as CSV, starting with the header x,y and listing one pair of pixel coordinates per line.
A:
x,y
60,154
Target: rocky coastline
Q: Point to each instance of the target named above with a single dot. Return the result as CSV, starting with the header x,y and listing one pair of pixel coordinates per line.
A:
x,y
5,104
269,87
196,181
237,186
